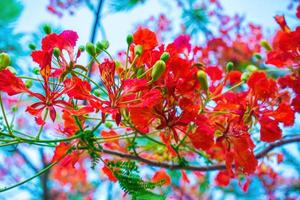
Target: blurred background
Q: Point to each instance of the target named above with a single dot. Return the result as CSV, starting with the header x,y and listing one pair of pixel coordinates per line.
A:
x,y
21,23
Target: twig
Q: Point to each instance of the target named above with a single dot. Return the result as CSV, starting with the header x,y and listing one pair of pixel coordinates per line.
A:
x,y
201,168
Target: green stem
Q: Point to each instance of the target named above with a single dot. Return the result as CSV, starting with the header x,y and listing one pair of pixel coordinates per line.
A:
x,y
4,115
42,127
29,179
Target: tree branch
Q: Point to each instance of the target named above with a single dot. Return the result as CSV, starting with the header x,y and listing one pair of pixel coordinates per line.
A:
x,y
260,155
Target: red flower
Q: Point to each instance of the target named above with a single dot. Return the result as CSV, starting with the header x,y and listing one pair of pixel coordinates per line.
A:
x,y
260,86
146,38
214,73
107,171
161,176
203,137
234,77
11,84
222,179
269,131
283,114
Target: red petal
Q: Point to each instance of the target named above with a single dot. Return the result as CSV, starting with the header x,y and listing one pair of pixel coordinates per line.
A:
x,y
161,175
109,174
11,84
269,131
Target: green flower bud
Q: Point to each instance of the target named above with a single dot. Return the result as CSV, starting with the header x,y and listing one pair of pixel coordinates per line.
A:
x,y
12,70
36,71
4,60
257,56
108,125
138,50
81,48
97,92
202,78
229,66
129,39
56,52
103,45
245,76
140,72
32,46
14,108
165,56
28,83
251,68
90,49
158,69
265,44
47,29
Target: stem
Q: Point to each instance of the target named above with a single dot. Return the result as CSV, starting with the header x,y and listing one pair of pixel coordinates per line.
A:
x,y
199,168
42,127
4,115
29,179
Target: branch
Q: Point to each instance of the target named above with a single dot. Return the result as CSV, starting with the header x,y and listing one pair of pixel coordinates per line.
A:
x,y
200,168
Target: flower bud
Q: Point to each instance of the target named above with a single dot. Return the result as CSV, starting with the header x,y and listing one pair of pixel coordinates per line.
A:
x,y
32,46
140,72
56,52
229,66
158,69
47,29
202,78
28,83
251,68
138,50
165,56
81,48
257,56
108,125
12,70
129,39
4,60
97,92
14,108
36,71
103,45
245,76
90,49
265,44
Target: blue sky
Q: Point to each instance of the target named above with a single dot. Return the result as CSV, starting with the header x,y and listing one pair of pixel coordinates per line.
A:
x,y
119,25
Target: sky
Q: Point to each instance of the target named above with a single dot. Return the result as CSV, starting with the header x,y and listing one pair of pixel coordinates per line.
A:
x,y
119,25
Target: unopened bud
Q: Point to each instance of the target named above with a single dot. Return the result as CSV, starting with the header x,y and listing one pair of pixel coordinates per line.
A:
x,y
202,78
138,50
47,29
103,45
12,70
245,76
251,68
56,52
108,125
28,83
140,72
165,56
158,69
129,39
257,56
4,60
32,46
229,66
97,92
81,48
90,49
265,44
36,71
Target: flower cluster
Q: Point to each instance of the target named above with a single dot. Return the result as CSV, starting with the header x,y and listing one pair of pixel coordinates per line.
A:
x,y
163,93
